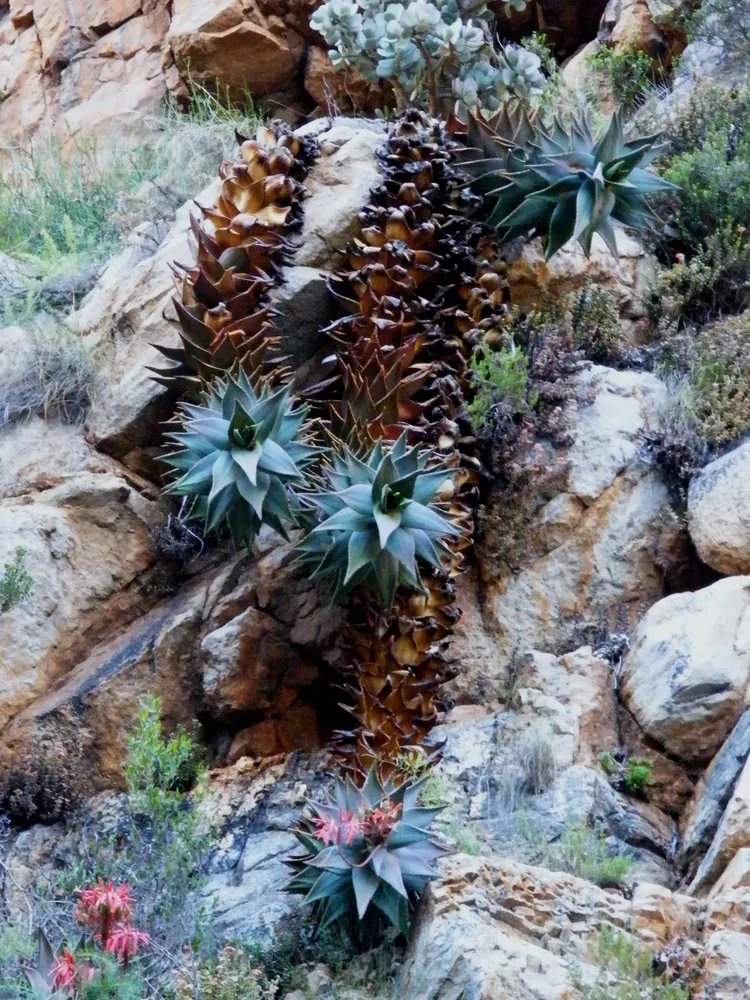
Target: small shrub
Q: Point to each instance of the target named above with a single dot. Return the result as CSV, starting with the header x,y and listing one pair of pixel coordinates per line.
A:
x,y
497,377
584,852
158,771
626,773
595,322
232,976
536,759
714,282
55,380
627,972
45,783
630,72
16,583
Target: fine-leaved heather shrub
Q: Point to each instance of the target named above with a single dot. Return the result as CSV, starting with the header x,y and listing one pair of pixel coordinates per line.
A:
x,y
713,282
16,583
232,975
44,783
595,322
497,377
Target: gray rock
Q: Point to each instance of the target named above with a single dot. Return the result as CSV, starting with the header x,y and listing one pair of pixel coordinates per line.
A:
x,y
302,307
686,676
712,795
719,512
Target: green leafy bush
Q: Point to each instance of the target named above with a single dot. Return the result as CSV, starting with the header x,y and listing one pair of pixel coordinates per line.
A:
x,y
709,160
629,972
584,852
16,583
631,774
496,377
630,72
595,322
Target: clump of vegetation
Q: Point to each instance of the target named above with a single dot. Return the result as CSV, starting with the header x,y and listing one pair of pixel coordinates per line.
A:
x,y
536,759
55,379
627,773
160,846
429,52
628,972
45,783
595,322
584,852
715,280
16,583
497,377
232,975
630,72
369,855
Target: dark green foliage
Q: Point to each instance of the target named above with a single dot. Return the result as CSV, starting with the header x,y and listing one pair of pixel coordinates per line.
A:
x,y
368,852
379,519
496,377
630,72
16,583
710,162
712,282
238,453
562,183
595,322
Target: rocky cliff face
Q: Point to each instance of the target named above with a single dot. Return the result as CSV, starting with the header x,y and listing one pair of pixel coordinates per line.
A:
x,y
619,628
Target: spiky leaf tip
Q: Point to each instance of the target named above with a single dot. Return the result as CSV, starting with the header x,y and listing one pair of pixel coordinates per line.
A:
x,y
238,454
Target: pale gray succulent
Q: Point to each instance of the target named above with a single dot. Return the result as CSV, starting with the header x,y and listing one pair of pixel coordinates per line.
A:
x,y
439,48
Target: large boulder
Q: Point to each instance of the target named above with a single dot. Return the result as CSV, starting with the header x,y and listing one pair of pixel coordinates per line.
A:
x,y
711,797
719,512
496,928
732,834
598,551
686,676
230,43
87,550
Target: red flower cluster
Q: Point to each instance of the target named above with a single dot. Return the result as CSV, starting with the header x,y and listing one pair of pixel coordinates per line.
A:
x,y
375,826
107,911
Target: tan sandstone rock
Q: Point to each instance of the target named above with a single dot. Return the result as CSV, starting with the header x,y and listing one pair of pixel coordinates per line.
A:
x,y
230,43
719,512
685,678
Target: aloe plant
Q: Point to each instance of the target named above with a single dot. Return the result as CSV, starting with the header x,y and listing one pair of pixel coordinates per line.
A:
x,y
238,453
379,519
368,851
562,183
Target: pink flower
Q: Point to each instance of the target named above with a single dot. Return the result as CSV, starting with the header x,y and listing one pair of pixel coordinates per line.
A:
x,y
123,943
64,972
340,831
101,906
